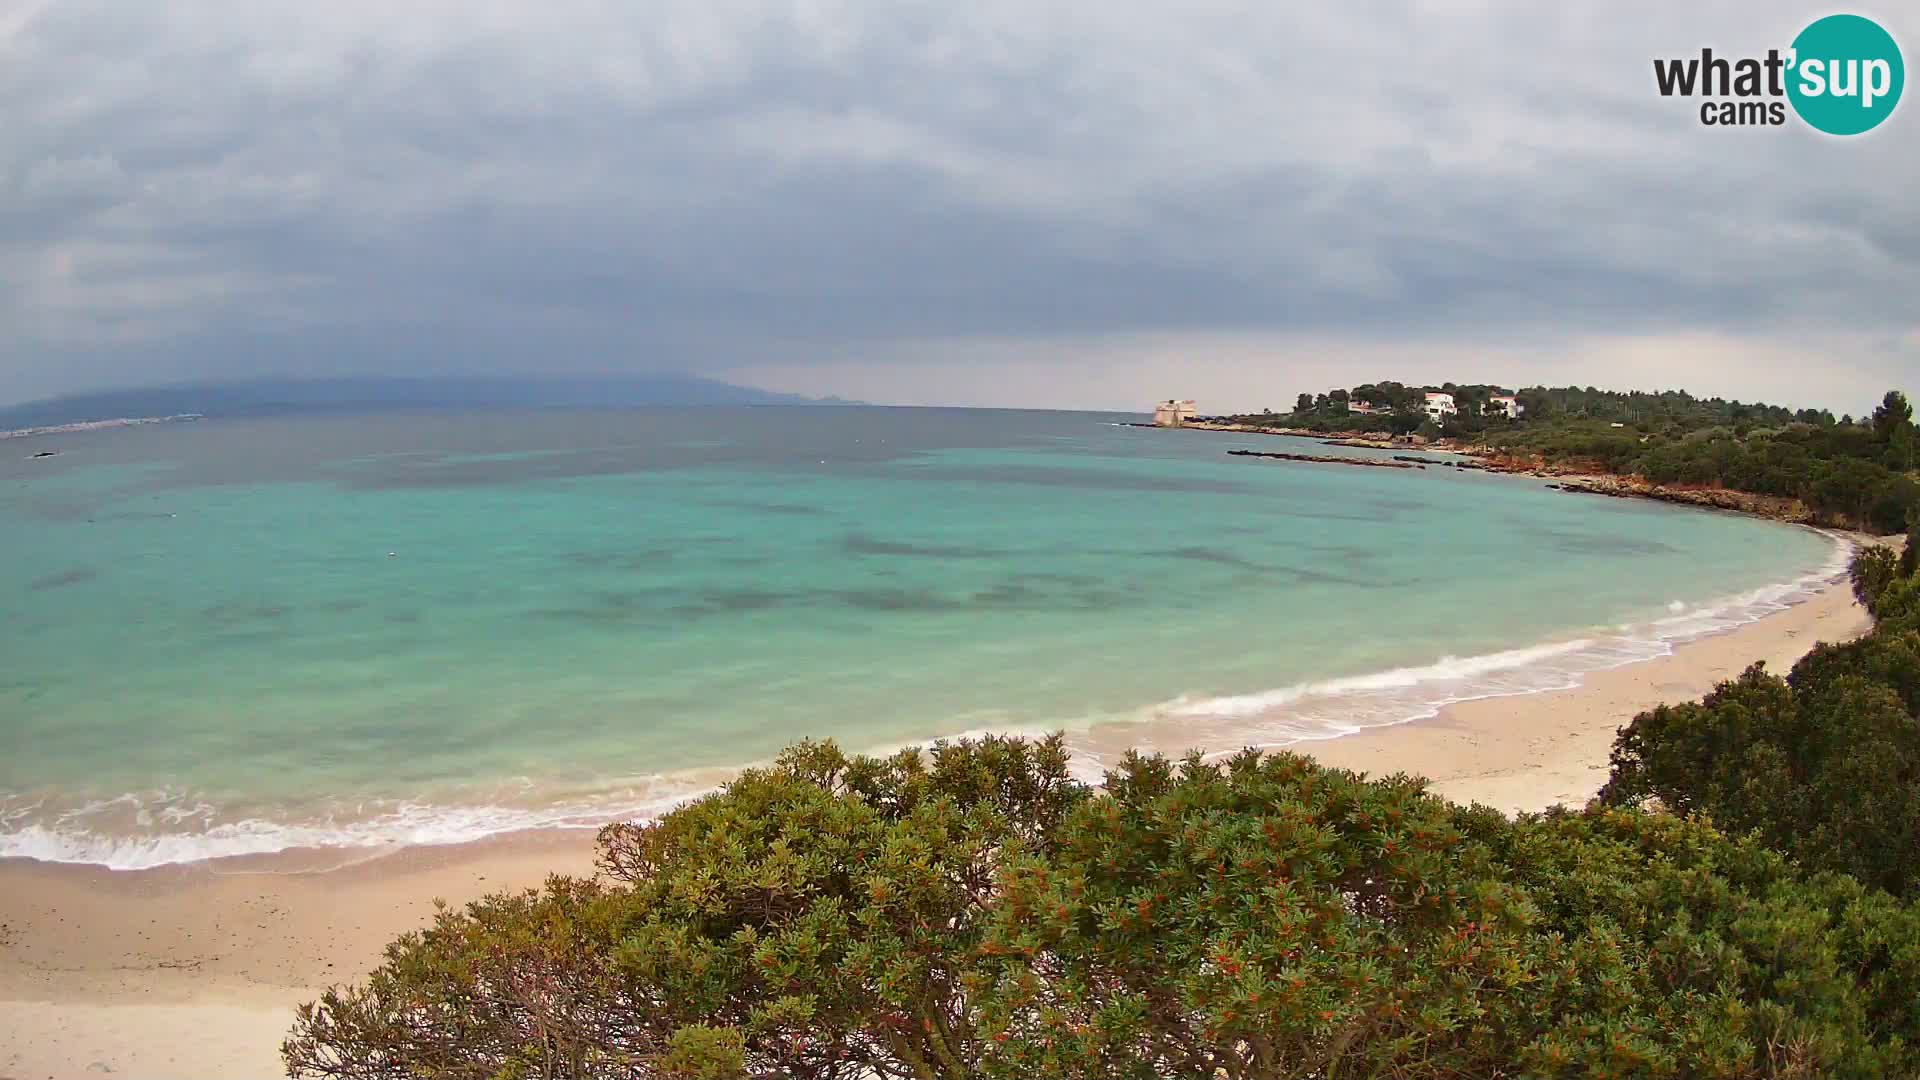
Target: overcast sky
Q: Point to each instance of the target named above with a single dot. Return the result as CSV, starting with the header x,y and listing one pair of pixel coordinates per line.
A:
x,y
1076,203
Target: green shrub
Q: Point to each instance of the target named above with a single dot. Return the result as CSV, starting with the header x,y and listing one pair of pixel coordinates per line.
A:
x,y
973,912
1871,571
1823,765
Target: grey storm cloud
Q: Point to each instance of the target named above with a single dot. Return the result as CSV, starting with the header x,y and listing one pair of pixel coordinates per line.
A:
x,y
212,188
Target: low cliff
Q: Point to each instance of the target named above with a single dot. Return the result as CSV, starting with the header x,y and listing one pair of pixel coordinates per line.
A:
x,y
1776,507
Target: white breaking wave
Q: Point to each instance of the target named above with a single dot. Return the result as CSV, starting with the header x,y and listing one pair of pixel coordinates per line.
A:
x,y
1448,669
1271,718
1328,709
68,840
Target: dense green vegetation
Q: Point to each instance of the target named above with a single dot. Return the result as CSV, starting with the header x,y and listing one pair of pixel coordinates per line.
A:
x,y
1824,764
1850,474
1670,411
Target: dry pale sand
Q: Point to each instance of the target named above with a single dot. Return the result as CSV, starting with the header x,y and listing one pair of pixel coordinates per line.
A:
x,y
1535,751
195,971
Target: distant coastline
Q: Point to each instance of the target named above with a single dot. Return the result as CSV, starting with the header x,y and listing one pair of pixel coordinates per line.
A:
x,y
98,425
283,397
1569,478
1797,465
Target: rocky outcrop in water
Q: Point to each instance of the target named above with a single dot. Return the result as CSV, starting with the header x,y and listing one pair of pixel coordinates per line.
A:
x,y
1321,459
1466,464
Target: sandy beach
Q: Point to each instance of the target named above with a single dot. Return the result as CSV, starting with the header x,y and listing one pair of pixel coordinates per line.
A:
x,y
194,971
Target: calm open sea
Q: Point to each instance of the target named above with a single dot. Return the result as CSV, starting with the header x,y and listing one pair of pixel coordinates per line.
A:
x,y
229,637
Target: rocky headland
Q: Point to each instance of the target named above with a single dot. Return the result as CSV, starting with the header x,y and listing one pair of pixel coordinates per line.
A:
x,y
1570,477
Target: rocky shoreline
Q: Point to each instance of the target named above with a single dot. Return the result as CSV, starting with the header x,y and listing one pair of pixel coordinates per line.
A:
x,y
1566,478
1614,485
1772,507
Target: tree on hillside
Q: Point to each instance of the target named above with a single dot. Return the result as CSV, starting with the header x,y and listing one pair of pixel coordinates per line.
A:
x,y
1893,425
1893,415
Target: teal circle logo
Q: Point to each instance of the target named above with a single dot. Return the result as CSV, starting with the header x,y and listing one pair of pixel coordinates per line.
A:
x,y
1845,75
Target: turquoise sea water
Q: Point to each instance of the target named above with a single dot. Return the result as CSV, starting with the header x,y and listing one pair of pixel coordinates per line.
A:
x,y
241,636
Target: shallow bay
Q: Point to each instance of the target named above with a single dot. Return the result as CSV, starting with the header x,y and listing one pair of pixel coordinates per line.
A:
x,y
239,636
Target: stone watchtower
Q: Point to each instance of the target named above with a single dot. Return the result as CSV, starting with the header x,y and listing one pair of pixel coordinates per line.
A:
x,y
1172,413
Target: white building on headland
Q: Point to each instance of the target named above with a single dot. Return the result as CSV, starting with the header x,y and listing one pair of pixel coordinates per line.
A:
x,y
1440,406
1171,413
1506,405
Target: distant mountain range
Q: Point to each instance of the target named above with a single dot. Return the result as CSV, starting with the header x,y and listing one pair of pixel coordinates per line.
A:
x,y
269,397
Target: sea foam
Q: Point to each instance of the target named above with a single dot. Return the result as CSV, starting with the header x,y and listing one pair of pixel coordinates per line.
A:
x,y
164,822
69,839
1328,709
